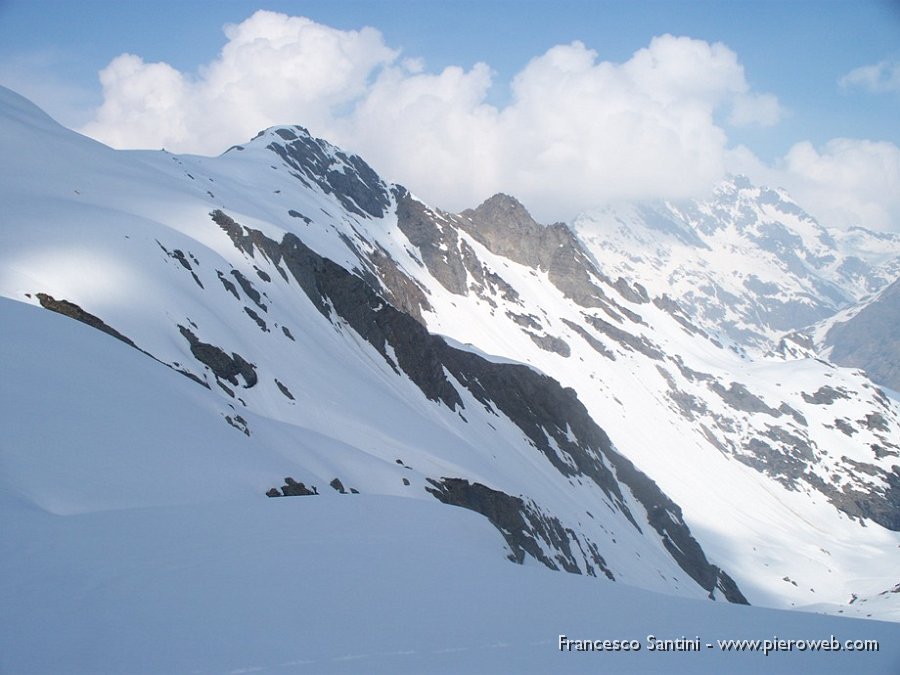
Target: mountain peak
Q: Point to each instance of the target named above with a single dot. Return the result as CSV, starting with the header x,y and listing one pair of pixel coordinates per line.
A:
x,y
315,161
287,132
503,210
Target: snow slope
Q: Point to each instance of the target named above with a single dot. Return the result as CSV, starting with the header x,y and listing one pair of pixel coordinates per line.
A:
x,y
133,470
176,548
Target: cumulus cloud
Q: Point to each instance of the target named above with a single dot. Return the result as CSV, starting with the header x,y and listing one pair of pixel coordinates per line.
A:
x,y
274,69
576,131
848,182
845,182
878,78
755,110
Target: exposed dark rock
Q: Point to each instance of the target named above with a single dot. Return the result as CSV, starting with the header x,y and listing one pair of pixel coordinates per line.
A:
x,y
715,441
178,254
403,291
486,283
522,524
687,404
246,240
674,310
504,227
881,453
795,445
258,319
802,340
284,390
224,366
550,343
525,320
881,504
337,485
297,214
180,257
543,410
495,284
248,288
292,488
875,421
238,423
778,464
788,410
225,388
287,333
474,266
631,316
437,242
844,427
286,134
739,397
635,293
628,340
826,395
595,344
353,182
690,374
372,317
73,311
230,287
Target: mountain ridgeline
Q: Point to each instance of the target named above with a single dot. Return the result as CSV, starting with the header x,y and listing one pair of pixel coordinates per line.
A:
x,y
596,391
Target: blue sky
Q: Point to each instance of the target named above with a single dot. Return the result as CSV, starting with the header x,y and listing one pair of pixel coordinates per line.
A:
x,y
792,57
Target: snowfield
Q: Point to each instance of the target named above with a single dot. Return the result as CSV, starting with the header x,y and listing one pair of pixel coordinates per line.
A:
x,y
227,350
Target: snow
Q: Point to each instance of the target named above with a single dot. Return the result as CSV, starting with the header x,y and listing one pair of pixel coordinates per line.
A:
x,y
137,537
140,542
344,584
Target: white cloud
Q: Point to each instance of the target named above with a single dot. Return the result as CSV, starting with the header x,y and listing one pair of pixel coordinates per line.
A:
x,y
878,78
274,69
151,105
577,130
755,110
848,182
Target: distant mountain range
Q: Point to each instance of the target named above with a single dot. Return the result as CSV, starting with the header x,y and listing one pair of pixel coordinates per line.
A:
x,y
748,264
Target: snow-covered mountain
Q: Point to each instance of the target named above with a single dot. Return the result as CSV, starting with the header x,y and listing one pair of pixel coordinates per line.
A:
x,y
748,264
864,336
279,320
